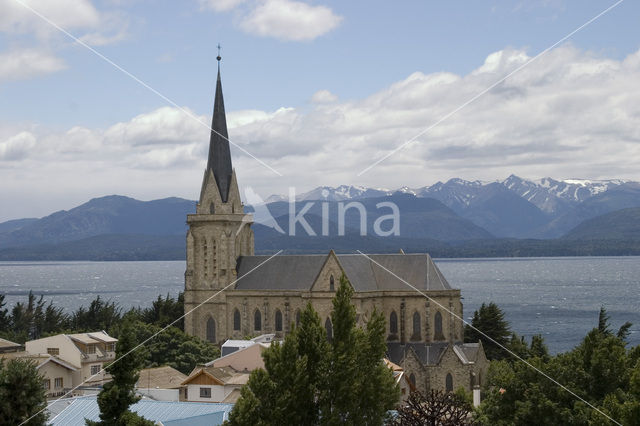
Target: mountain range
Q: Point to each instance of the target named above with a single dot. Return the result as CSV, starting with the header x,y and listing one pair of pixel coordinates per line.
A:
x,y
456,218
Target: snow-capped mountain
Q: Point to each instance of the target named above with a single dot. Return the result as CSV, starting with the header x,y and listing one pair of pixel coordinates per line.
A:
x,y
513,207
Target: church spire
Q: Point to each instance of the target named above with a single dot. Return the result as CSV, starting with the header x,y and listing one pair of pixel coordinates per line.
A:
x,y
219,153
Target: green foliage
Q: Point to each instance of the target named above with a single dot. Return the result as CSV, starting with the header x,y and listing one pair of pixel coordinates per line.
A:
x,y
171,347
489,319
21,393
100,315
308,380
119,394
601,370
31,320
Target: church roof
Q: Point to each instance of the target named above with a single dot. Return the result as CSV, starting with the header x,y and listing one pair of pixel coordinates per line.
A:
x,y
430,353
219,153
366,273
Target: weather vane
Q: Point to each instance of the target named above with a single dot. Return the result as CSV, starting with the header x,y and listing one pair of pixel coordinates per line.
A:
x,y
219,57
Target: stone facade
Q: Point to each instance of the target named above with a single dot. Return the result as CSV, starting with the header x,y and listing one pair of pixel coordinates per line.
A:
x,y
232,294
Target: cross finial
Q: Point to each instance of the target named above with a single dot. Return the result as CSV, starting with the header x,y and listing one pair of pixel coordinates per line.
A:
x,y
219,57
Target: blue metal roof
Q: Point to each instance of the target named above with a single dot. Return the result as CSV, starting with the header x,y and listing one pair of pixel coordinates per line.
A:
x,y
170,413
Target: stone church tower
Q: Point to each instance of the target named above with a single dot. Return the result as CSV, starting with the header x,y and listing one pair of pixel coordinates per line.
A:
x,y
219,233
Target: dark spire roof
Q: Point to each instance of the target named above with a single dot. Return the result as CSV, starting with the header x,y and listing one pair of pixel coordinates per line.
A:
x,y
219,153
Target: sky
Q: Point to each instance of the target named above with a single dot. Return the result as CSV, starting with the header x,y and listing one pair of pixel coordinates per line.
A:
x,y
317,93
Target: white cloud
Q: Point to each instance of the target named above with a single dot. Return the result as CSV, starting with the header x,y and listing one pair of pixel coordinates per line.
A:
x,y
221,5
289,20
17,147
27,63
69,14
323,97
568,114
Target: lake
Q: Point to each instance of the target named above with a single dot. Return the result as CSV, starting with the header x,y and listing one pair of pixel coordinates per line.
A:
x,y
556,297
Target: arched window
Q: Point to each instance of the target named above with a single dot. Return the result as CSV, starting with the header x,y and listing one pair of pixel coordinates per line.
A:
x,y
393,323
412,379
212,208
332,285
449,383
329,327
416,326
438,327
236,320
278,320
211,330
257,320
297,317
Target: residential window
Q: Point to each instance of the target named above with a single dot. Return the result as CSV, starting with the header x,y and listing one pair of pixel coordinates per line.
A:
x,y
111,347
46,384
205,392
91,349
95,369
278,320
58,383
53,351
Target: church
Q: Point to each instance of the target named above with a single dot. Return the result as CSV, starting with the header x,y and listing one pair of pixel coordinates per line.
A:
x,y
263,295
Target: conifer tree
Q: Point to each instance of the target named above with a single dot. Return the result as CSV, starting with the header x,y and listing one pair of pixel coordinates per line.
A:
x,y
308,380
490,320
119,394
21,393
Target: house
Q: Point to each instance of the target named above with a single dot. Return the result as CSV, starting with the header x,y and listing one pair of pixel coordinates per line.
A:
x,y
403,382
246,358
160,383
87,352
57,375
74,411
233,345
9,346
213,384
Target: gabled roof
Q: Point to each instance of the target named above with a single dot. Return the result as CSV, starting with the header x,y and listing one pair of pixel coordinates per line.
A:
x,y
366,273
221,375
4,343
431,353
160,378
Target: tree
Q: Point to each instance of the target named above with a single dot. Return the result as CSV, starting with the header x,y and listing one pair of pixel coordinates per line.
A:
x,y
360,388
21,393
308,380
172,347
489,319
436,408
119,394
100,315
600,370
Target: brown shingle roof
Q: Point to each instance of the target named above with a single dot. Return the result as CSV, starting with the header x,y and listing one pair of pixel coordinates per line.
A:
x,y
160,377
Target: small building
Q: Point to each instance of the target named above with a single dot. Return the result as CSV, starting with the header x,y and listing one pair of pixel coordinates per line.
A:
x,y
160,383
7,346
213,384
403,382
233,345
75,412
246,359
87,352
57,375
